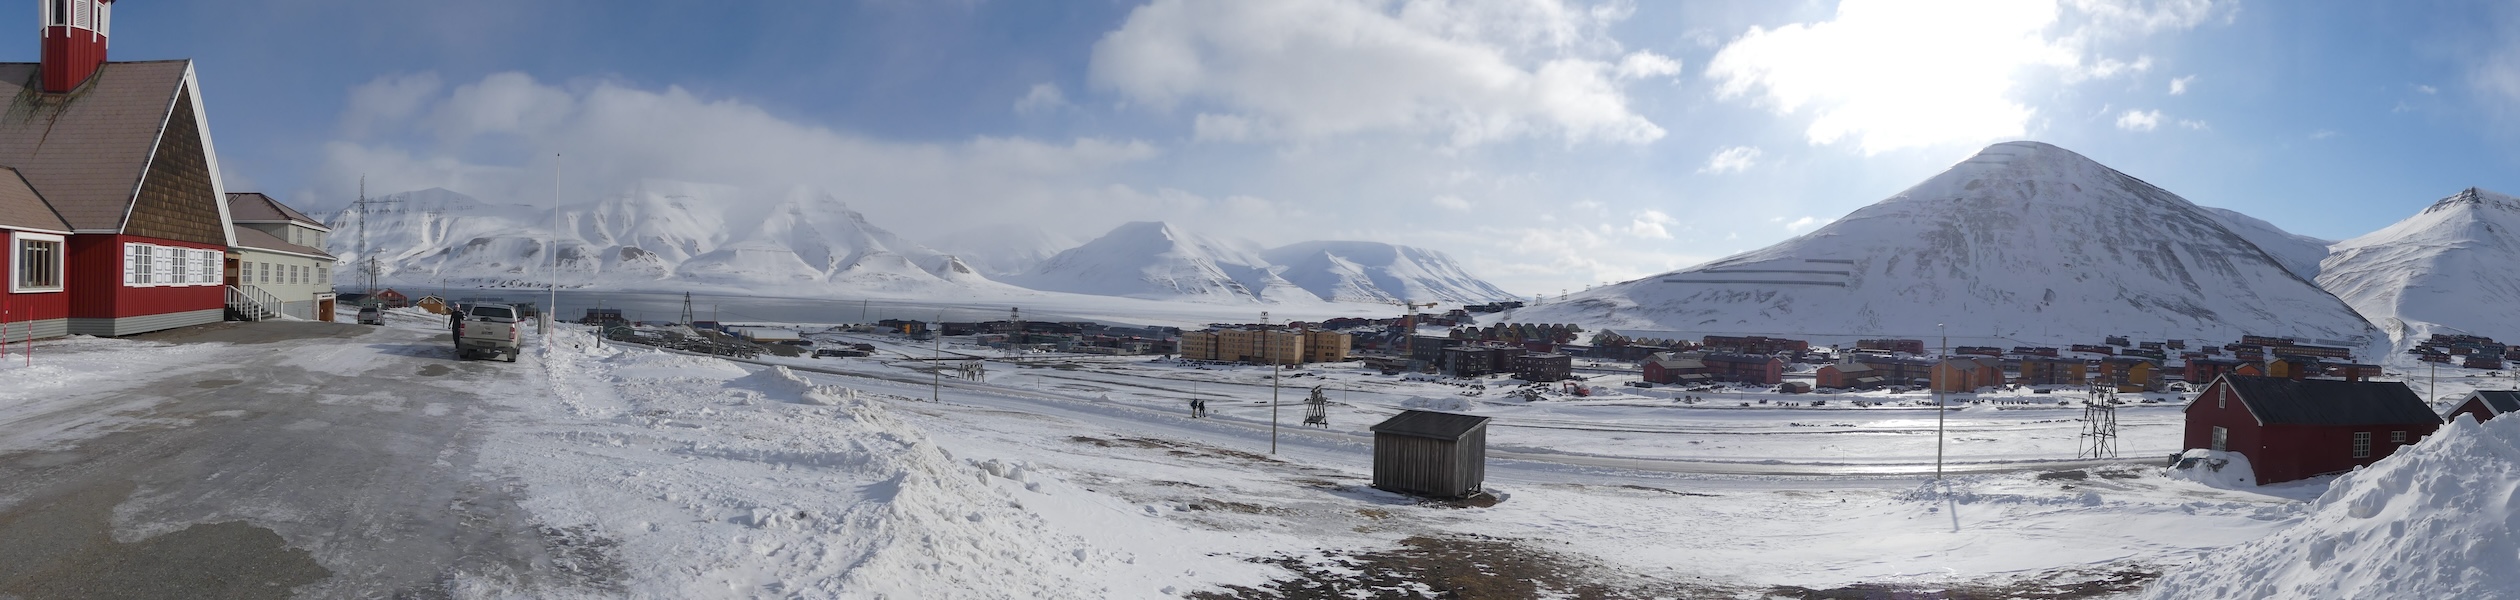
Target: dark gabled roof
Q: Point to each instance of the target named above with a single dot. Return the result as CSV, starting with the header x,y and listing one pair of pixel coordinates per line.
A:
x,y
252,207
258,239
2280,401
1426,424
2500,401
87,149
21,207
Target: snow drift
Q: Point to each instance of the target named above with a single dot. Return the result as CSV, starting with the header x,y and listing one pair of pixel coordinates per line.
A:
x,y
2440,519
2024,242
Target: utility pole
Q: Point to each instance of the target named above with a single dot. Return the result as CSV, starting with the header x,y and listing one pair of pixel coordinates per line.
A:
x,y
1940,411
553,309
368,270
1273,380
936,383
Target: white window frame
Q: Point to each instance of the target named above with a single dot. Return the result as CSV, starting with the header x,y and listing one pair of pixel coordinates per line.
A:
x,y
2362,444
17,264
178,266
145,256
2222,439
79,16
2397,437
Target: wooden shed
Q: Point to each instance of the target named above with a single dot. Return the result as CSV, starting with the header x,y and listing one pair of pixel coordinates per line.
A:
x,y
1425,453
2486,404
2299,428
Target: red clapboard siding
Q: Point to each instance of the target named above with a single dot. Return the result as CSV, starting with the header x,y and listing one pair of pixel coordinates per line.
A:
x,y
94,276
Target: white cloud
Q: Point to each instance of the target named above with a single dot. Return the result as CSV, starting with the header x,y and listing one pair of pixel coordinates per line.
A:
x,y
1452,202
386,100
2179,86
1890,75
2322,134
1472,73
1731,160
2426,89
2194,124
1651,224
2139,120
1043,98
1798,224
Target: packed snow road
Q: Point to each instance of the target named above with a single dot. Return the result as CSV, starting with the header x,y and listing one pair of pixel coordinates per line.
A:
x,y
244,460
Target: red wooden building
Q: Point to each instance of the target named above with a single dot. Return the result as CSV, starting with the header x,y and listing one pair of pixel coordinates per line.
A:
x,y
36,306
1669,369
121,152
2486,404
2298,428
1745,368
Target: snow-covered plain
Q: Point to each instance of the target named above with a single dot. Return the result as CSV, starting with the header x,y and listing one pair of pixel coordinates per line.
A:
x,y
697,477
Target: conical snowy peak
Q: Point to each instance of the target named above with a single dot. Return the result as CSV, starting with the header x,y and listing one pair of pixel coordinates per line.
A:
x,y
2444,270
1151,259
2475,198
2022,243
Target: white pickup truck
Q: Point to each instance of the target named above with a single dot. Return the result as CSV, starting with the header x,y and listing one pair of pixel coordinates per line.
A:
x,y
486,329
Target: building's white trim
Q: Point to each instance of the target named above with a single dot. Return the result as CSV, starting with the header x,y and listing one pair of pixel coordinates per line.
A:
x,y
61,262
210,153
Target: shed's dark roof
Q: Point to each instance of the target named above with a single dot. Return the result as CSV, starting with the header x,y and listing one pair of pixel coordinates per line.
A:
x,y
1426,424
20,206
2280,401
2500,401
86,149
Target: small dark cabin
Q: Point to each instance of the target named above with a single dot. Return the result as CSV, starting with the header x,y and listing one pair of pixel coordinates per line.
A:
x,y
1442,455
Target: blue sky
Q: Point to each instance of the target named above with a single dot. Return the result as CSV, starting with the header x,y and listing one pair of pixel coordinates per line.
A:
x,y
1548,145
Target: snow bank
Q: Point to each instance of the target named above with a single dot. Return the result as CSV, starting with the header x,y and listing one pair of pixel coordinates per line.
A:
x,y
2440,519
715,481
2225,470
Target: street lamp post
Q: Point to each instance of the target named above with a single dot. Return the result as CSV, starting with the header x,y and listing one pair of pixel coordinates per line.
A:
x,y
1943,362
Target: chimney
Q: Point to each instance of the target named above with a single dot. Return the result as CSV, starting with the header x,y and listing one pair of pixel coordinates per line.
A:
x,y
73,40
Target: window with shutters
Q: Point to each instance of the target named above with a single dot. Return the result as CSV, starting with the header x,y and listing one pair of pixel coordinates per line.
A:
x,y
144,257
178,266
2362,444
38,263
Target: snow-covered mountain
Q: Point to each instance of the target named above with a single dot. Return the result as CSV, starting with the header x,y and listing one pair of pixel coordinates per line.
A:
x,y
2300,254
657,235
2448,269
1005,249
1160,261
1379,272
2025,242
1155,260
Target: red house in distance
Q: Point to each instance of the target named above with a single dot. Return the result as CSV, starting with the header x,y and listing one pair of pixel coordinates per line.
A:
x,y
2486,404
2298,428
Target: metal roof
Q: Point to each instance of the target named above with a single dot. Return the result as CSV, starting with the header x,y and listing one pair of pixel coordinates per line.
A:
x,y
1428,424
2280,401
22,208
250,207
2500,401
87,149
248,237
